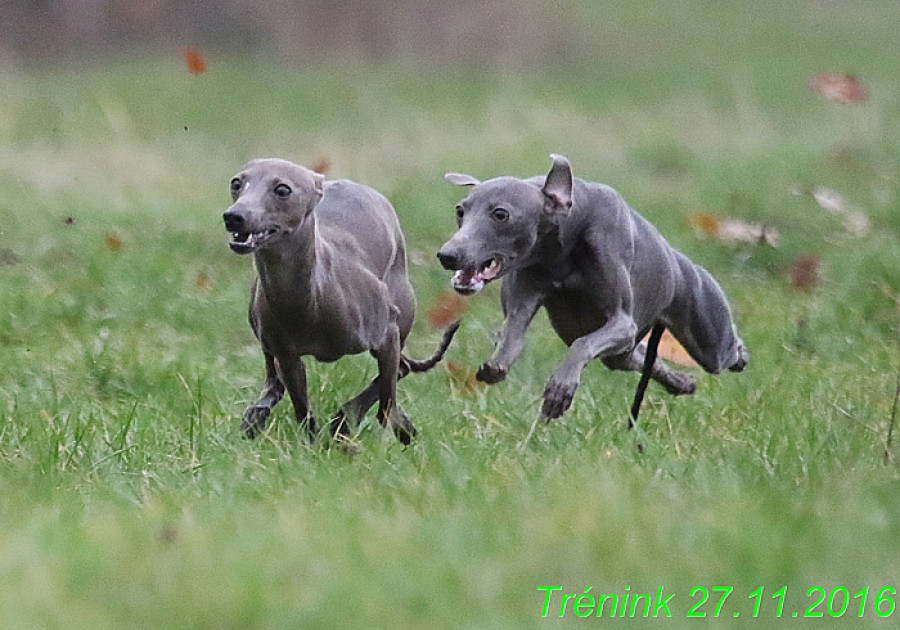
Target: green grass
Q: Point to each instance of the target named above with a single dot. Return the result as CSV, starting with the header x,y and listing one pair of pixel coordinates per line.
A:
x,y
129,499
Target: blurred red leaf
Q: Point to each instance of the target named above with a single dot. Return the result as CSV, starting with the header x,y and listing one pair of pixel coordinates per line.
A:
x,y
705,222
114,242
196,64
446,309
805,272
838,87
322,166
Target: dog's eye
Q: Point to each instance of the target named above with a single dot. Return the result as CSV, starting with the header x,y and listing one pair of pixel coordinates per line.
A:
x,y
460,213
235,186
282,191
500,215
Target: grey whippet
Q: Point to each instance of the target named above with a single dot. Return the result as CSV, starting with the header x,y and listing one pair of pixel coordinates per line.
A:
x,y
605,275
331,281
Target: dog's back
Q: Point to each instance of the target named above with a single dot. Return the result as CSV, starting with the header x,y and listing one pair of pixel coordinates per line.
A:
x,y
359,222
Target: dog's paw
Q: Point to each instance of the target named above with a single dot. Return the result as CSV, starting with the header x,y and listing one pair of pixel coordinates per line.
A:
x,y
558,398
490,373
680,383
339,425
403,428
742,360
254,420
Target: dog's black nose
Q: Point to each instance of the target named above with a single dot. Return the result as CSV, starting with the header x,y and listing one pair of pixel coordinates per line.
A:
x,y
234,221
449,260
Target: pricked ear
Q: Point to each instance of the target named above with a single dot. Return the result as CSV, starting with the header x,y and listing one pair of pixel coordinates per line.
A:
x,y
558,186
461,179
318,182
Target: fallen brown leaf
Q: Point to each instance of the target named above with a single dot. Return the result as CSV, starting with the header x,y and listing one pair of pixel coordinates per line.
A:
x,y
671,350
735,230
740,231
447,309
805,272
828,199
705,222
203,282
856,222
114,242
838,87
462,379
323,166
196,64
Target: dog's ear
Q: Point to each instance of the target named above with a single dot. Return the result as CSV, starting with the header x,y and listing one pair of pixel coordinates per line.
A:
x,y
318,183
461,179
558,186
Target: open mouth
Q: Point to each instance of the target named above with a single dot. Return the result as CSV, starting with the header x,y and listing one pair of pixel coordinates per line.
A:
x,y
472,279
248,242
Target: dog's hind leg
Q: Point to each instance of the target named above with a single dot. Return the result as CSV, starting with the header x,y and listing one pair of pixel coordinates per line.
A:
x,y
352,411
701,321
389,413
256,414
675,382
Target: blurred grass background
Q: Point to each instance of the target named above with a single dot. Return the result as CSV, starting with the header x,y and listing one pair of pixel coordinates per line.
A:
x,y
129,499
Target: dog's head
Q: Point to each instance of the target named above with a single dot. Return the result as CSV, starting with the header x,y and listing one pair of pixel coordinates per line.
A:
x,y
271,198
500,222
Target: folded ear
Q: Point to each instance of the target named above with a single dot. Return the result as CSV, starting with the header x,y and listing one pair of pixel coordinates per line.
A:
x,y
461,179
558,186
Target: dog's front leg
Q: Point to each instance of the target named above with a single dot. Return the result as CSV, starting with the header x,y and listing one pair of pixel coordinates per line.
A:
x,y
293,375
519,307
256,414
617,336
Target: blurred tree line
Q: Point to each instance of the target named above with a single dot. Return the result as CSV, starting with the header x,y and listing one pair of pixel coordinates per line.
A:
x,y
466,30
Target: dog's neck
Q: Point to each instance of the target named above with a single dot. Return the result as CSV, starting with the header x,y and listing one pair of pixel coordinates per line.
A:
x,y
287,272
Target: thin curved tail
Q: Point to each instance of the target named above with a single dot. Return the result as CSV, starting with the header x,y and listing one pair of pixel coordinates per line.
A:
x,y
408,365
649,360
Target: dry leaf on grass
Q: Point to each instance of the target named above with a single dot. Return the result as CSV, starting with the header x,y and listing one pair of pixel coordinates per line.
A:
x,y
805,272
462,379
447,309
203,282
828,199
114,242
856,222
196,64
838,87
672,351
735,230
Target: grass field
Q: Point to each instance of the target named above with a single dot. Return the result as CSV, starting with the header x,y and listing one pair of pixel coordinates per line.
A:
x,y
129,500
